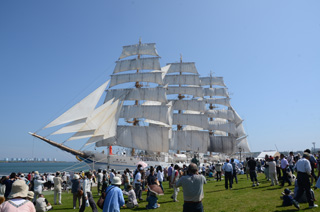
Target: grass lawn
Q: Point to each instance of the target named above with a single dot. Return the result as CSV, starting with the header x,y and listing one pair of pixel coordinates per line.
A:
x,y
242,198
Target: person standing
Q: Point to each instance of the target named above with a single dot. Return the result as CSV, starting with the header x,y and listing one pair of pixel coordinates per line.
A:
x,y
160,176
253,173
284,165
313,163
138,184
99,180
291,161
192,185
87,194
38,184
75,189
170,170
114,197
228,172
272,171
218,169
234,170
57,188
304,172
174,179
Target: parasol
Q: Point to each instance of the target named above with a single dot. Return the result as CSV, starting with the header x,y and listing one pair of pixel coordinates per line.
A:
x,y
156,189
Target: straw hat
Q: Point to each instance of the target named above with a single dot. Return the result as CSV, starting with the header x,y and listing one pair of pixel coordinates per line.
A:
x,y
30,194
116,181
19,189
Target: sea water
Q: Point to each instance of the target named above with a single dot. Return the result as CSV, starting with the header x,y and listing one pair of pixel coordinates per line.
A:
x,y
41,167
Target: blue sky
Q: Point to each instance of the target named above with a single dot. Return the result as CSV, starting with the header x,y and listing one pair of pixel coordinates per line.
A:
x,y
53,53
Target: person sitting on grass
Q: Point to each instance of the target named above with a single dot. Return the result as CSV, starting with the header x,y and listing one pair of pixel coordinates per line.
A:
x,y
152,200
42,204
288,199
132,199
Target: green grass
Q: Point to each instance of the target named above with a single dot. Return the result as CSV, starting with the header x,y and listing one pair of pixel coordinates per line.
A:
x,y
242,198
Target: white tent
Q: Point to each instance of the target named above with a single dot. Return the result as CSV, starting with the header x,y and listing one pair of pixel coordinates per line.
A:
x,y
273,153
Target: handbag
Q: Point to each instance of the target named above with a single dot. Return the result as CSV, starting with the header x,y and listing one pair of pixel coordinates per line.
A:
x,y
100,201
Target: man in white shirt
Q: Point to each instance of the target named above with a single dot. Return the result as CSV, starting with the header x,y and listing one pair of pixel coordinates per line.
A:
x,y
57,188
304,172
138,184
228,172
99,179
87,195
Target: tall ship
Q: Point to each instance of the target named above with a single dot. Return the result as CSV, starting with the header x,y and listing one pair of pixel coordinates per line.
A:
x,y
158,115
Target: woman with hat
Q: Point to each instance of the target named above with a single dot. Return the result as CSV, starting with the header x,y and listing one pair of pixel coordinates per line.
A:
x,y
114,197
17,201
75,189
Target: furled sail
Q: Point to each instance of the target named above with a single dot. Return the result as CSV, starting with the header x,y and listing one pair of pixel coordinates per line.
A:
x,y
197,141
227,127
243,144
146,138
139,49
81,110
148,63
212,81
152,94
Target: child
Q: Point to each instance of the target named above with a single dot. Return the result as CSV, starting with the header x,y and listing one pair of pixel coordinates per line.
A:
x,y
132,199
152,201
288,199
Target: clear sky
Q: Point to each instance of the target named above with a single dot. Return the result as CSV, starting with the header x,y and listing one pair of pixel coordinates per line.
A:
x,y
55,52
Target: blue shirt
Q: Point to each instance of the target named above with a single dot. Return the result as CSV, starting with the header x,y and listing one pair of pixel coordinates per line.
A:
x,y
114,199
227,167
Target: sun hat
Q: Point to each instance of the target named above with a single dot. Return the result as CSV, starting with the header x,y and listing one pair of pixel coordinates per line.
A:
x,y
76,177
19,189
30,194
36,172
116,181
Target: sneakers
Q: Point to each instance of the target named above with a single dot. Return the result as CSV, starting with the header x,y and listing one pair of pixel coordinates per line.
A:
x,y
253,185
313,206
257,184
296,204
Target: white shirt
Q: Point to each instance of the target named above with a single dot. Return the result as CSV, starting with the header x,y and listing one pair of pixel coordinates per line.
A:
x,y
86,186
160,176
303,165
137,177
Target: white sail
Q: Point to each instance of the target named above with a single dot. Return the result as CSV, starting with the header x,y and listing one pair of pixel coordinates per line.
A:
x,y
182,67
152,94
222,144
193,104
153,77
145,138
219,101
96,123
243,144
194,91
139,49
156,113
197,120
188,127
226,127
182,80
148,63
72,127
237,119
215,92
212,81
240,131
223,114
196,141
218,132
81,110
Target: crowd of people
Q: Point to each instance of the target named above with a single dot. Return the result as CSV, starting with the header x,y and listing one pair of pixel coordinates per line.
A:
x,y
26,192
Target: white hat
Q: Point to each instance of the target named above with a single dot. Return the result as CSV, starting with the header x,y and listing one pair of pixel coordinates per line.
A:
x,y
30,194
116,181
75,176
19,189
